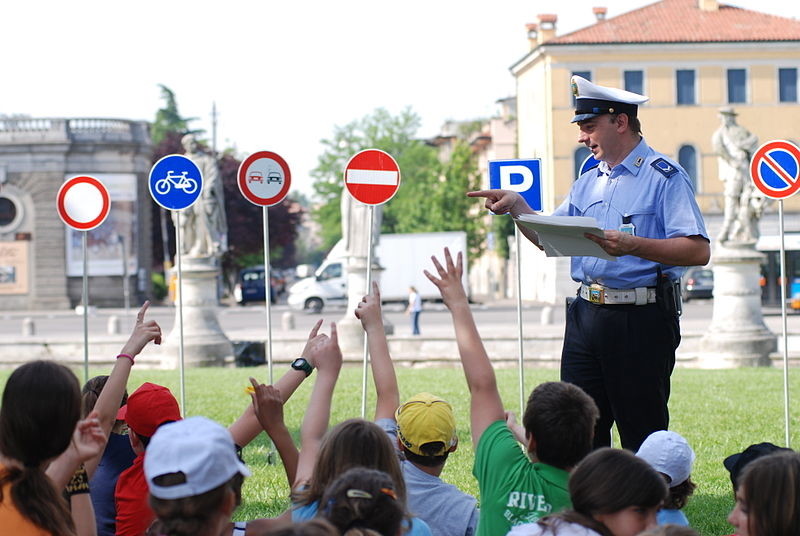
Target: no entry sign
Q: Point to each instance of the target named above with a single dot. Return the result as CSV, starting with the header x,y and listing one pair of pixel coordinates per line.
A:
x,y
83,203
372,177
775,169
264,178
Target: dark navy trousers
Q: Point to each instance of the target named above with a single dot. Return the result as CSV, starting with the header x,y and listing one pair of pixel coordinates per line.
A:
x,y
622,356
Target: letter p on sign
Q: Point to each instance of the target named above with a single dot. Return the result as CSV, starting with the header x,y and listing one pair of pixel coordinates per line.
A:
x,y
522,176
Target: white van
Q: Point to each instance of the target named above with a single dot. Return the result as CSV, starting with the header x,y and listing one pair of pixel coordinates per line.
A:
x,y
402,257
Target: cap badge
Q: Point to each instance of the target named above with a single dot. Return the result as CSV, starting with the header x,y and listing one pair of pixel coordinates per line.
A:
x,y
574,88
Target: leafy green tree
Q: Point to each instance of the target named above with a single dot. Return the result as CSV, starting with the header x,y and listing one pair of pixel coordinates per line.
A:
x,y
380,130
245,223
431,197
168,120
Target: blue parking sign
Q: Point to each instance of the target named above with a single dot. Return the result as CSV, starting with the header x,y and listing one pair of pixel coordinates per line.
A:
x,y
522,176
175,182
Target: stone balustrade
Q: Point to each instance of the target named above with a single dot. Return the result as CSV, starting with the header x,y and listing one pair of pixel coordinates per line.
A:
x,y
65,130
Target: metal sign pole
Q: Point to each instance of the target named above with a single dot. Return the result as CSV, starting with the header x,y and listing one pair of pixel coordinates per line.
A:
x,y
85,300
366,291
126,284
178,245
519,324
268,292
783,318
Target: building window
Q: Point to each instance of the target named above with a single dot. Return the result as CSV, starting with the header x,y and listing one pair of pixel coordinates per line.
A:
x,y
687,158
634,81
737,86
787,85
581,154
685,90
10,213
583,74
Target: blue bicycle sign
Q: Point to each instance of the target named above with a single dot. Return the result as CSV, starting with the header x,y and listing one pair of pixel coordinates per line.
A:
x,y
180,181
175,182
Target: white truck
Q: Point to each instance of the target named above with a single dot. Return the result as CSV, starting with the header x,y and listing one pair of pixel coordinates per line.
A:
x,y
403,257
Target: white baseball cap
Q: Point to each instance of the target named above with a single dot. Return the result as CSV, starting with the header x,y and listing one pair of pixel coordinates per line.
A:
x,y
668,453
197,447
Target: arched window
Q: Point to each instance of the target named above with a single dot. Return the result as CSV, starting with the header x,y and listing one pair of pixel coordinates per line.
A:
x,y
687,158
581,154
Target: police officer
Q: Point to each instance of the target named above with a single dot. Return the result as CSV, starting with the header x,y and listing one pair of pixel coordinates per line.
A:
x,y
622,329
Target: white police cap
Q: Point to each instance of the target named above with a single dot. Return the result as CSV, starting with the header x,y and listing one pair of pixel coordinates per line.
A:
x,y
592,100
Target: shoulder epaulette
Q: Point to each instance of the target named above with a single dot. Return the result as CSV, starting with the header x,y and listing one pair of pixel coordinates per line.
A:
x,y
664,167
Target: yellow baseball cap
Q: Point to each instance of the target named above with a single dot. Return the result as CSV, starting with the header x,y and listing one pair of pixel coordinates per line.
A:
x,y
423,419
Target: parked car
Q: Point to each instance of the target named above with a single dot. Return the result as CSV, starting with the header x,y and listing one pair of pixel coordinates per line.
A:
x,y
698,283
251,287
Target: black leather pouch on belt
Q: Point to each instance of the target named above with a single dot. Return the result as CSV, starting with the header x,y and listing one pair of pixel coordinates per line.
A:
x,y
668,297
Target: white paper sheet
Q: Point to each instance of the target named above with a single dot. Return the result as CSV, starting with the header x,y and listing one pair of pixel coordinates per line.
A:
x,y
562,236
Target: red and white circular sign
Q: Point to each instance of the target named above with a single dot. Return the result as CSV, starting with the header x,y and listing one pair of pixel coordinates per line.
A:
x,y
83,203
372,176
775,169
264,178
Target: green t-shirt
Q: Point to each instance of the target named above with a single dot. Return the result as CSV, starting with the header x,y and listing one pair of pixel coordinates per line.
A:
x,y
514,490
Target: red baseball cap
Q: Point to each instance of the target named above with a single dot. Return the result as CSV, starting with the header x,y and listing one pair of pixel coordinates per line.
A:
x,y
149,407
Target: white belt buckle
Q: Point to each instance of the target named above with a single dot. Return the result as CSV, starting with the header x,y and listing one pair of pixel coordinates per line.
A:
x,y
641,295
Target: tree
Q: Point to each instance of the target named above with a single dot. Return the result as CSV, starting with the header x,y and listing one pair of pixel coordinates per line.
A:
x,y
380,130
245,224
168,120
245,227
431,197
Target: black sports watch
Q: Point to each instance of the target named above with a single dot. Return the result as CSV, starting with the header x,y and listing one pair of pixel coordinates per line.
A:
x,y
301,364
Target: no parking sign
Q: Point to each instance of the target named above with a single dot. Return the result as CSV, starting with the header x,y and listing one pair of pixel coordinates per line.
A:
x,y
775,169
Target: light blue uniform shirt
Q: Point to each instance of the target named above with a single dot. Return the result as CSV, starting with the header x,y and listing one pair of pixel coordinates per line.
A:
x,y
655,193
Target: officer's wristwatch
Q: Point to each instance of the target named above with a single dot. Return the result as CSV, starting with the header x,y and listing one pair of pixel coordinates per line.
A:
x,y
301,364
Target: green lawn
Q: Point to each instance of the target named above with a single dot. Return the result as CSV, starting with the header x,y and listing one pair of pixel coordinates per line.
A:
x,y
719,412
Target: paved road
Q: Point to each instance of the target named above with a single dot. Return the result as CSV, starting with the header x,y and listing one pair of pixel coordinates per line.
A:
x,y
435,318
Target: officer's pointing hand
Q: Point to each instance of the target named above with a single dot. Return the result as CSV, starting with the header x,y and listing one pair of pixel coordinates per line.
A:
x,y
503,202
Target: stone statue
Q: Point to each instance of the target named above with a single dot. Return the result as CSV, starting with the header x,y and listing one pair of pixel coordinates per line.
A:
x,y
355,226
203,225
734,146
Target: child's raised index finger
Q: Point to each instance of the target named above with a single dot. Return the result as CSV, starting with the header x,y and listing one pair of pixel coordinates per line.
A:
x,y
376,291
315,329
448,257
142,312
334,334
438,266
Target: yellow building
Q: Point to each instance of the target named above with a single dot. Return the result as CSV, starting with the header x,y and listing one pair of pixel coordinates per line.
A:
x,y
691,57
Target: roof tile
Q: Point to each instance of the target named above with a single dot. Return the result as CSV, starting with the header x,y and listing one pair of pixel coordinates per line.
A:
x,y
682,21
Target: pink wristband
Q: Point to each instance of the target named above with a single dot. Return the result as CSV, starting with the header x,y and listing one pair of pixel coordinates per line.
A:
x,y
128,356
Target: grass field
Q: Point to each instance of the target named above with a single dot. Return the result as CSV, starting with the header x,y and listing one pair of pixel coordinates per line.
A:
x,y
719,412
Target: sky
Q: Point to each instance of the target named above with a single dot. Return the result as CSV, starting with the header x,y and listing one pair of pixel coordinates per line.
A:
x,y
282,74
